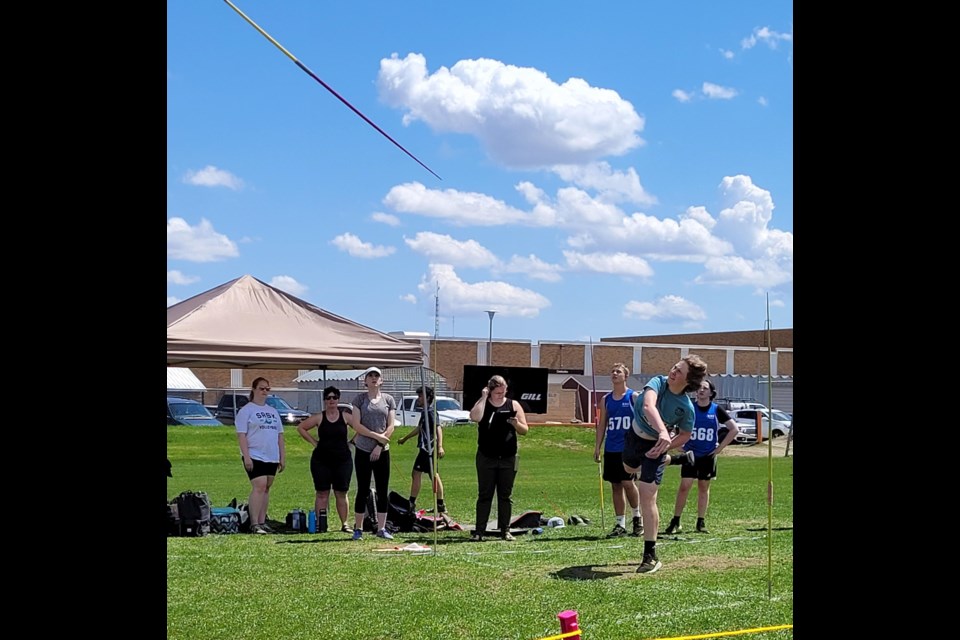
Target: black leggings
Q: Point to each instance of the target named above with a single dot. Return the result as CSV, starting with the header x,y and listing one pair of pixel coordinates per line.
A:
x,y
381,476
495,475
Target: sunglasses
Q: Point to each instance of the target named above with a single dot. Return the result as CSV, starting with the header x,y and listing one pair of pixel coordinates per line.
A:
x,y
332,398
263,388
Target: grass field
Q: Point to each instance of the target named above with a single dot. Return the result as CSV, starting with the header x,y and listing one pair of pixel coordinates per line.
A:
x,y
328,586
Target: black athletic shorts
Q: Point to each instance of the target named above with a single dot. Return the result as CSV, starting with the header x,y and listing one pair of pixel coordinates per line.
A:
x,y
328,472
703,468
635,455
261,468
424,462
613,470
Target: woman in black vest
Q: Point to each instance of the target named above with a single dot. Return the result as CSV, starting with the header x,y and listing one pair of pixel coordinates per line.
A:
x,y
499,420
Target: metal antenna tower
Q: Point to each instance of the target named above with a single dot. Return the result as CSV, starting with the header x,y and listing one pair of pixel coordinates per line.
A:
x,y
436,314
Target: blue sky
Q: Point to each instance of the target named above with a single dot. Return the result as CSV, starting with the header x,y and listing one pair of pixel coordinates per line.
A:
x,y
608,168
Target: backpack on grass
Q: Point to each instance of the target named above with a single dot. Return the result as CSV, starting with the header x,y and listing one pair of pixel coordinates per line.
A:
x,y
399,514
224,520
370,513
193,513
297,521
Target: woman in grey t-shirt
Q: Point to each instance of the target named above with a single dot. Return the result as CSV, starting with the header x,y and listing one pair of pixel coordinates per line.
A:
x,y
372,419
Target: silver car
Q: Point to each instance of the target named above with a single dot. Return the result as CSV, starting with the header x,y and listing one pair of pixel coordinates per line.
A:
x,y
747,422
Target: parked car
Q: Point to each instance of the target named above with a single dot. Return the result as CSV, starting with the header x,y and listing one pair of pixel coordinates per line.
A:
x,y
182,411
228,405
289,415
747,422
232,402
732,405
448,410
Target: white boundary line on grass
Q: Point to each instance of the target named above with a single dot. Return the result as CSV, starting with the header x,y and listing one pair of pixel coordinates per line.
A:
x,y
613,546
720,605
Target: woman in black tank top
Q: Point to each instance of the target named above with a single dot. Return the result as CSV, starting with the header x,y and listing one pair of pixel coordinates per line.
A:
x,y
330,462
499,421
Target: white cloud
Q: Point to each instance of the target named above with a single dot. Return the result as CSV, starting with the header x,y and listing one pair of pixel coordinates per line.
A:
x,y
444,249
573,207
613,263
459,298
777,303
611,186
197,244
726,53
288,284
598,229
175,277
386,219
172,300
532,267
456,207
668,309
745,220
767,36
762,101
681,95
520,116
645,235
352,245
739,271
210,176
716,92
409,297
701,215
762,257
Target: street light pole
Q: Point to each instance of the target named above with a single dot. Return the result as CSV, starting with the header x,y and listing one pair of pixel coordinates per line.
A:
x,y
490,340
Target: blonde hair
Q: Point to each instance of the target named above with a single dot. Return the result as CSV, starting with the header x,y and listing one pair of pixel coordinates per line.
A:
x,y
496,381
620,365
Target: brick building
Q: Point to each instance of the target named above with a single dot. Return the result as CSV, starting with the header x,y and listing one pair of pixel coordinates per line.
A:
x,y
735,353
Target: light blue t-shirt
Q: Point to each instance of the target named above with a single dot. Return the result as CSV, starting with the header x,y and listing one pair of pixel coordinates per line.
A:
x,y
674,409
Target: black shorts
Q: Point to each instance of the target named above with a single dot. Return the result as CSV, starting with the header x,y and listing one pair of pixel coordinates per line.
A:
x,y
424,463
261,468
327,472
635,456
613,470
703,468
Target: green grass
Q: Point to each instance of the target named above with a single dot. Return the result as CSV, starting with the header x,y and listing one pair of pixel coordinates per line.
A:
x,y
328,586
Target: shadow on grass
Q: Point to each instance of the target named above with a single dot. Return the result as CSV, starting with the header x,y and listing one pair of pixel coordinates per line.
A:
x,y
595,571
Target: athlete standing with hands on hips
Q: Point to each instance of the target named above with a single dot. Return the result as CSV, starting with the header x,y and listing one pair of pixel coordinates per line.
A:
x,y
705,444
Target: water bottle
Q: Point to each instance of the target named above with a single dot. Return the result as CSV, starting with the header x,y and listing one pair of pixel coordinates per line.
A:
x,y
322,521
312,522
295,520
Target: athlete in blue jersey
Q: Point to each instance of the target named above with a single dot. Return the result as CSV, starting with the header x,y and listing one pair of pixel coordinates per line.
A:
x,y
664,404
616,413
705,444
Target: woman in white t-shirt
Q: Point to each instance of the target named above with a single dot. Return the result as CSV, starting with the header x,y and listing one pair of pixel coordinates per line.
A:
x,y
260,432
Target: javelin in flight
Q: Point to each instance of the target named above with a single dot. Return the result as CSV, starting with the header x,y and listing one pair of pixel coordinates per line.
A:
x,y
327,87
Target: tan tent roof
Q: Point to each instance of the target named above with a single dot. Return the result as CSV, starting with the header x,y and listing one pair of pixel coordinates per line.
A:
x,y
246,323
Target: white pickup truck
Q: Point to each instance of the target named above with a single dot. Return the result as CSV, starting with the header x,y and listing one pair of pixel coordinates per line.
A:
x,y
448,410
